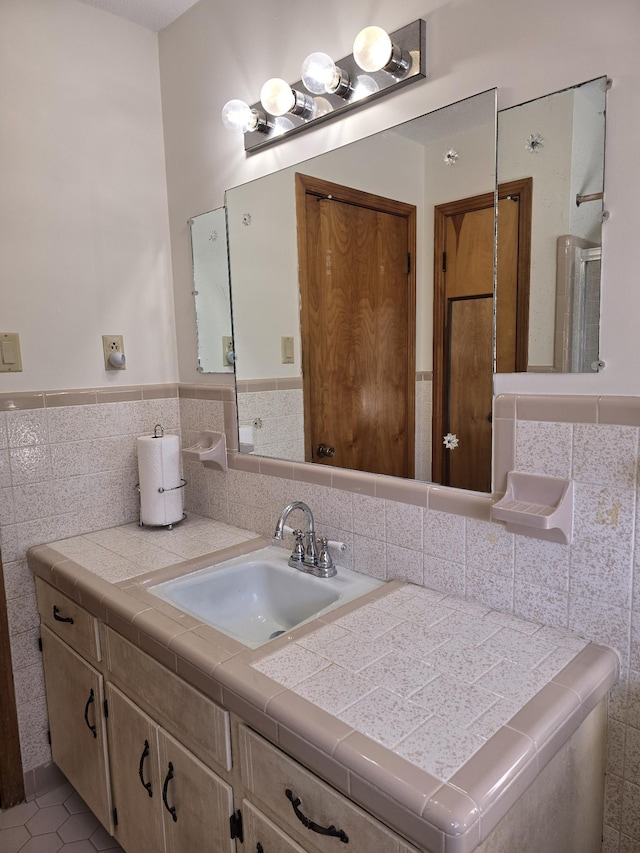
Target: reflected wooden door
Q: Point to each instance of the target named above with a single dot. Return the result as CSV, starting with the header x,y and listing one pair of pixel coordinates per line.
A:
x,y
470,371
358,327
463,342
513,274
463,354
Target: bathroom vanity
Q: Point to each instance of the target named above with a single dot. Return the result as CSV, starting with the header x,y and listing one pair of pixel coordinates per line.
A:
x,y
180,738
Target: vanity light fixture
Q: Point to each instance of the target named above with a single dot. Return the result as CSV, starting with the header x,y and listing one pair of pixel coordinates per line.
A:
x,y
380,64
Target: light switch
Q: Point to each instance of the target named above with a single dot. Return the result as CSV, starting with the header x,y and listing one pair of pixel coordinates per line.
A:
x,y
10,359
287,350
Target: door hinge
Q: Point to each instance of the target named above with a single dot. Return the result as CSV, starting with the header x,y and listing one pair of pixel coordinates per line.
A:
x,y
444,262
40,643
235,825
115,816
106,708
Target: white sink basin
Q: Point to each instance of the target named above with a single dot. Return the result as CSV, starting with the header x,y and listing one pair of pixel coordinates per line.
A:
x,y
257,597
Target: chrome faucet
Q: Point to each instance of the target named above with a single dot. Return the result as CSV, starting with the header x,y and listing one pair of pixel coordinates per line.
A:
x,y
306,558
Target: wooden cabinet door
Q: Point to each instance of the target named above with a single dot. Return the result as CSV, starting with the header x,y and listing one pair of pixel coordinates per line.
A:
x,y
75,698
197,804
135,776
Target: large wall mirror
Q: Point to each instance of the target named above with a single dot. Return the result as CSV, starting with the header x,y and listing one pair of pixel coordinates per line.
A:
x,y
332,279
400,381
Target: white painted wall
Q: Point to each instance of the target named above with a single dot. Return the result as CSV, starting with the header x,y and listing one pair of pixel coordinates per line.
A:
x,y
227,48
84,244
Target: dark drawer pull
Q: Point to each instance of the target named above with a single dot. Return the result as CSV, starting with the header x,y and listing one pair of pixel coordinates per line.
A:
x,y
305,821
170,809
90,702
145,754
58,618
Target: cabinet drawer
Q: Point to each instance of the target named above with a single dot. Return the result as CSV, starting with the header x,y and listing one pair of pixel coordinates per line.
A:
x,y
268,774
192,718
262,834
71,622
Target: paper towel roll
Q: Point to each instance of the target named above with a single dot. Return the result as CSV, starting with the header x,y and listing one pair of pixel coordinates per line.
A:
x,y
159,468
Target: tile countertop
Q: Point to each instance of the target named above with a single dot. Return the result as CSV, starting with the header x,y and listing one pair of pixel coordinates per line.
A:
x,y
432,712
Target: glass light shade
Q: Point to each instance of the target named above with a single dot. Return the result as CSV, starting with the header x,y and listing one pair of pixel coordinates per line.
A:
x,y
372,49
364,87
277,97
238,116
319,73
322,107
282,126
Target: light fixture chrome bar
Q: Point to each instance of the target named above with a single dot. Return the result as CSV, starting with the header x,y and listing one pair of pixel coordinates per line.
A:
x,y
580,199
366,87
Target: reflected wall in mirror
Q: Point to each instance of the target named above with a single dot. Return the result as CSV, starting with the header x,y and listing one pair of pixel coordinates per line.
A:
x,y
309,272
211,291
557,143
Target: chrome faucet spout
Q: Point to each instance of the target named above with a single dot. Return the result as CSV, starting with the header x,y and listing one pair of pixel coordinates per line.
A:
x,y
311,560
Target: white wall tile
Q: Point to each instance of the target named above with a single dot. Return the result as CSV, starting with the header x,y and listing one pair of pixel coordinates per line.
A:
x,y
544,448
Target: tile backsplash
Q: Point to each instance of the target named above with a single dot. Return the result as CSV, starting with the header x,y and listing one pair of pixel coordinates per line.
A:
x,y
64,470
69,469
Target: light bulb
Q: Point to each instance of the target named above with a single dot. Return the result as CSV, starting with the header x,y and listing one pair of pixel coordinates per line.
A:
x,y
323,107
372,49
364,87
237,116
277,97
282,126
319,73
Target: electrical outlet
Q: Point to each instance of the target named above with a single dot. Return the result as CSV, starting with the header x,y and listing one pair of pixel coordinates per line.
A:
x,y
228,356
113,349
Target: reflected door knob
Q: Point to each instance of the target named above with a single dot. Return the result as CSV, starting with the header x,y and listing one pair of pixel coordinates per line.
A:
x,y
324,450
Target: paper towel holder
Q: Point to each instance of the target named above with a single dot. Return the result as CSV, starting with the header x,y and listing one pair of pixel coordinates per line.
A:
x,y
210,449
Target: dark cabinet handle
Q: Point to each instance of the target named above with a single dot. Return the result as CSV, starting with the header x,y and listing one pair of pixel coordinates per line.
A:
x,y
145,754
90,702
58,618
305,821
170,809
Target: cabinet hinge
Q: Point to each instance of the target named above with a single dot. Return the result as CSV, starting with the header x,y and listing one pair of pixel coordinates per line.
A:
x,y
235,825
444,262
115,817
106,708
40,643
49,736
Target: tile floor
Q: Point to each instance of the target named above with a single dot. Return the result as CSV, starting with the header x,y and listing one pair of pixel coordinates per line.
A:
x,y
57,822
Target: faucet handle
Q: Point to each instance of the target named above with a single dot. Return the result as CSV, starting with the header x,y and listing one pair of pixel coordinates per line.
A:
x,y
324,558
298,549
